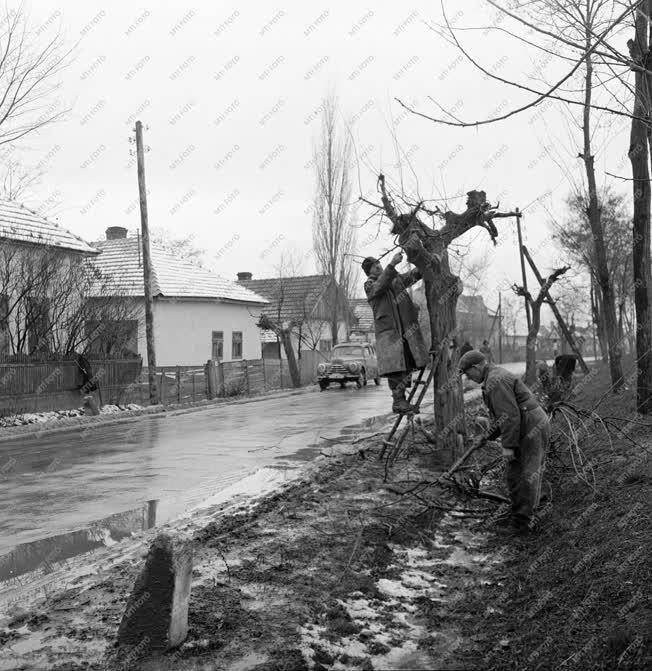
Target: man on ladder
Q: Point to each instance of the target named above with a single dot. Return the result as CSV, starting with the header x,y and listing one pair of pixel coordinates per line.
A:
x,y
399,341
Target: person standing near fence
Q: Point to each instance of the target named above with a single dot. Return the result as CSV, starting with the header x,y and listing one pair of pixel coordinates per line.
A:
x,y
399,342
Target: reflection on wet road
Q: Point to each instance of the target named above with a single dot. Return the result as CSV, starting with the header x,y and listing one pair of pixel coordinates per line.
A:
x,y
67,481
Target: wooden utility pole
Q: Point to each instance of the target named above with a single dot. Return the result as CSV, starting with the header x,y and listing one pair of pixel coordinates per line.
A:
x,y
560,319
147,267
524,275
500,328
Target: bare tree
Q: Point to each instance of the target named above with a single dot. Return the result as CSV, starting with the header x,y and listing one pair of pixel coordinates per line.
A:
x,y
576,238
57,303
577,33
639,156
183,247
333,235
18,180
29,76
427,248
535,323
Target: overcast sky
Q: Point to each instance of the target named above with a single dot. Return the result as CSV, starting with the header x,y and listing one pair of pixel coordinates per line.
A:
x,y
231,98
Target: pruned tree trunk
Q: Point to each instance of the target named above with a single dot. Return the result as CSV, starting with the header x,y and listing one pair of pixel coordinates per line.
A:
x,y
535,323
284,334
286,339
639,158
427,249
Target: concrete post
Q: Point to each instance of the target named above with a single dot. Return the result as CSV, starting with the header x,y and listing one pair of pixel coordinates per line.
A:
x,y
156,616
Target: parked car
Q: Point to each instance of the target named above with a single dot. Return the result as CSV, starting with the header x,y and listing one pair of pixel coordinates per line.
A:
x,y
350,362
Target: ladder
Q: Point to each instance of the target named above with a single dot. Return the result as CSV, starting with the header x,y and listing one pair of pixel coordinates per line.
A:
x,y
421,386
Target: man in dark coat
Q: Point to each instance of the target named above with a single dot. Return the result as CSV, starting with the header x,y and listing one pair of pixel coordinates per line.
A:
x,y
524,428
466,347
399,341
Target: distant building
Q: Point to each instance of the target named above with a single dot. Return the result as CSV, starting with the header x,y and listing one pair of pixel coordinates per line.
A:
x,y
36,257
304,301
363,327
198,315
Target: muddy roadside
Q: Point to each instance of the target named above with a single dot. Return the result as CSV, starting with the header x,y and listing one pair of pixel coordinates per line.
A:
x,y
337,571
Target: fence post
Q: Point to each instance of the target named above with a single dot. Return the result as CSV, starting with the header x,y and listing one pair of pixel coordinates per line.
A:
x,y
264,376
220,379
163,388
211,379
193,386
246,375
178,376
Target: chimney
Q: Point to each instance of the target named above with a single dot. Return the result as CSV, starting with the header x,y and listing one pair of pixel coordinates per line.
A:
x,y
116,233
244,276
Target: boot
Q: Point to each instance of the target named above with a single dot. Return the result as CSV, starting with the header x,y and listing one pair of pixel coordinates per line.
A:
x,y
400,404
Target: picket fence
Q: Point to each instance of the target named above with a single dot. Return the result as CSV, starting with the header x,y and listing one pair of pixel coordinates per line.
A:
x,y
29,384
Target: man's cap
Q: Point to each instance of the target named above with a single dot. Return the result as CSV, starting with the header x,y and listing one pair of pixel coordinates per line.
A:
x,y
367,263
471,358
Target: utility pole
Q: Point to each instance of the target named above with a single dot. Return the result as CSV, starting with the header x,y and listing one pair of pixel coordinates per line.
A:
x,y
147,267
520,253
500,328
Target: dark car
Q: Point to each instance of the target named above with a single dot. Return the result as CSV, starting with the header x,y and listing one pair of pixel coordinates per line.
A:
x,y
350,362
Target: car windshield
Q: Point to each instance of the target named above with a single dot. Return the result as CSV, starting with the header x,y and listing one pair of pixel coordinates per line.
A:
x,y
347,350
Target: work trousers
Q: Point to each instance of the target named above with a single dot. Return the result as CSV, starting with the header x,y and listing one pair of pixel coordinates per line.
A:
x,y
399,380
525,472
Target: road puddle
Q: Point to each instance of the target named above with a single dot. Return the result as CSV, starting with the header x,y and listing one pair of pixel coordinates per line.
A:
x,y
45,554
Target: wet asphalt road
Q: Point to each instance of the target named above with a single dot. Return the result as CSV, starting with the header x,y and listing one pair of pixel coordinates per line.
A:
x,y
55,484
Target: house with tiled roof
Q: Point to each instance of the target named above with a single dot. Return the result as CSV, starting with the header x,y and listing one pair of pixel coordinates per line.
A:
x,y
35,253
304,302
363,327
198,315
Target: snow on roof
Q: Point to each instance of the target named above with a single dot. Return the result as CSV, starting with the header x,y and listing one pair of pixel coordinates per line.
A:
x,y
22,225
172,277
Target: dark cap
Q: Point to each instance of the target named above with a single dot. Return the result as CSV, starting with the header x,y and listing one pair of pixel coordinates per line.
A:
x,y
471,358
367,263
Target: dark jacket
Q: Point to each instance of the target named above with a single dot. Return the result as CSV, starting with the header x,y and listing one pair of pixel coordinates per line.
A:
x,y
466,347
509,402
396,320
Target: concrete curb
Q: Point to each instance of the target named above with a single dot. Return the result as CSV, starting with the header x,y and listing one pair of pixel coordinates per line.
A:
x,y
55,426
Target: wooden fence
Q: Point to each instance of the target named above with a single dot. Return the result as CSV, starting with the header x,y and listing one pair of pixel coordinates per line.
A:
x,y
39,385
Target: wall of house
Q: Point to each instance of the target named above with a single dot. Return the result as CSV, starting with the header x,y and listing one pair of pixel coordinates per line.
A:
x,y
183,331
317,330
15,284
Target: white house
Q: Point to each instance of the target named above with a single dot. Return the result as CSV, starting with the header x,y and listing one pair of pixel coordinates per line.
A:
x,y
198,315
305,302
42,267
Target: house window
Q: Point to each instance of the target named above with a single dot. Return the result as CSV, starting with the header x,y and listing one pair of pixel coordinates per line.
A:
x,y
325,345
217,347
236,345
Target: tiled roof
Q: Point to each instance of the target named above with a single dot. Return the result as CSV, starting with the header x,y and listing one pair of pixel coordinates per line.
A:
x,y
19,224
171,276
363,313
294,297
471,304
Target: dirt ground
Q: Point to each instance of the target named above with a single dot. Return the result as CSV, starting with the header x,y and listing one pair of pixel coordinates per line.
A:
x,y
338,571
